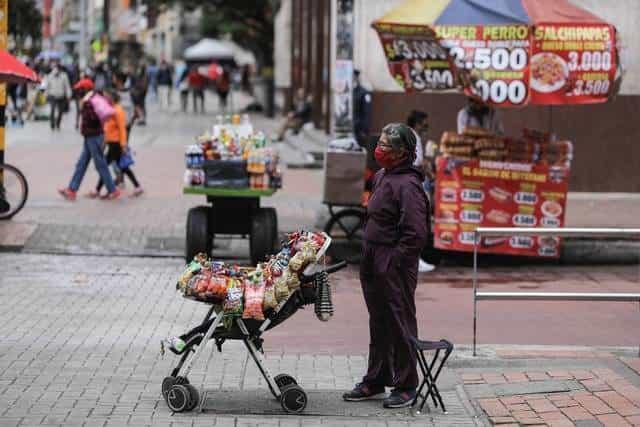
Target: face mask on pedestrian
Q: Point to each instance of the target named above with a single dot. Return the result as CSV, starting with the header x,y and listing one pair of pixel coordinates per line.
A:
x,y
385,156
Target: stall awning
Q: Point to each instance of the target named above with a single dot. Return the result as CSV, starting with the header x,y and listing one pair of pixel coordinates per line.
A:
x,y
509,52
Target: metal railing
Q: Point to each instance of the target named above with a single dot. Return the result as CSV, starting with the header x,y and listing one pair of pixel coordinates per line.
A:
x,y
545,296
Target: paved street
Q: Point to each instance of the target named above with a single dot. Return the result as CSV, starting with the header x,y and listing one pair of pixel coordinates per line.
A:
x,y
80,346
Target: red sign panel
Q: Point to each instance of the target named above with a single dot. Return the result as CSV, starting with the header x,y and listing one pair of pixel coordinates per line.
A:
x,y
475,193
496,58
572,64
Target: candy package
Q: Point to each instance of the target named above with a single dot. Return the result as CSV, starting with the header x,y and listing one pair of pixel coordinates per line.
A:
x,y
253,299
192,269
233,303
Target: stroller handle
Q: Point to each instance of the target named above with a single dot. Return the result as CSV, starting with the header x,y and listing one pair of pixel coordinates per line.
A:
x,y
307,277
336,267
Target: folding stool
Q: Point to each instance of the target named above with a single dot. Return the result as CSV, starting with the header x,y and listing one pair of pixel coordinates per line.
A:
x,y
431,371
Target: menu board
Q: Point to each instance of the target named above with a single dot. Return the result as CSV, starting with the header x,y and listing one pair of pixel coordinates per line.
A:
x,y
479,193
572,64
495,58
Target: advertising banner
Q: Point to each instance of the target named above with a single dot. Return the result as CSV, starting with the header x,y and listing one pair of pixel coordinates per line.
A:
x,y
416,59
475,193
572,64
495,58
505,65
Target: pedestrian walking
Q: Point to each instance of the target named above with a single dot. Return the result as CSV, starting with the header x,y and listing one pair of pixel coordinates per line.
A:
x,y
138,88
165,83
92,149
223,86
197,84
116,137
183,87
152,73
58,90
394,234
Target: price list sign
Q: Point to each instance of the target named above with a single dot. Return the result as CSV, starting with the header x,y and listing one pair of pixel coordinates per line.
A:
x,y
416,59
495,57
572,64
475,193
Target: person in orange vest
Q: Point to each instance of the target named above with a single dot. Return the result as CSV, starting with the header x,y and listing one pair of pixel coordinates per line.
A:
x,y
115,136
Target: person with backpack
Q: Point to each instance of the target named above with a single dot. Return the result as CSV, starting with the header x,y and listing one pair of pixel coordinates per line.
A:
x,y
94,110
115,136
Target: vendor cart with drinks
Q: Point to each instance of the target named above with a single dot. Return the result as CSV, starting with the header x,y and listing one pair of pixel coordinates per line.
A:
x,y
233,167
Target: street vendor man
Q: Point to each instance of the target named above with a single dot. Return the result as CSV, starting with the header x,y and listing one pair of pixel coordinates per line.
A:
x,y
395,232
477,113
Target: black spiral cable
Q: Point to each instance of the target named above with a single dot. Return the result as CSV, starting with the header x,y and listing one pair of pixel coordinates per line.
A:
x,y
323,305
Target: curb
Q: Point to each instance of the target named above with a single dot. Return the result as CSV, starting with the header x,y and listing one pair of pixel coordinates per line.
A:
x,y
579,251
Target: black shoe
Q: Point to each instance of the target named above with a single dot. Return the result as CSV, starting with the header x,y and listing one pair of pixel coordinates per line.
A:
x,y
363,391
400,399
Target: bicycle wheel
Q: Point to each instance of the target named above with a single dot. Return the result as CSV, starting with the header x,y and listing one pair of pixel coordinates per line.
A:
x,y
346,228
13,191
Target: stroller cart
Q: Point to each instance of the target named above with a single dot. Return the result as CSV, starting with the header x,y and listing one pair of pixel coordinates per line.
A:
x,y
314,288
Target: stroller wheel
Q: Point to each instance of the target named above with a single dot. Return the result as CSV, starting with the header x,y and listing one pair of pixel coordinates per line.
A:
x,y
178,398
167,383
283,380
194,396
293,399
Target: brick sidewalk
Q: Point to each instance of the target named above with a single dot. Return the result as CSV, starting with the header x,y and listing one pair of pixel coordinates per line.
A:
x,y
79,346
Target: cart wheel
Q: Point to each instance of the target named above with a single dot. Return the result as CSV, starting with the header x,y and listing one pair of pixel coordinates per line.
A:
x,y
274,227
194,397
199,235
283,380
293,399
178,398
346,228
261,238
167,383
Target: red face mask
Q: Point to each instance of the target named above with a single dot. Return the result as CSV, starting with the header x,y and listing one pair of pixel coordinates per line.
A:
x,y
385,158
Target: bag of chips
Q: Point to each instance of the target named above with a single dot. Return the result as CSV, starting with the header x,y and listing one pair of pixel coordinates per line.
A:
x,y
216,290
270,302
292,280
233,303
281,289
253,299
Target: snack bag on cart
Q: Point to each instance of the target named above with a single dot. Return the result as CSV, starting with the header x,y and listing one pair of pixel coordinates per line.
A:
x,y
233,305
253,299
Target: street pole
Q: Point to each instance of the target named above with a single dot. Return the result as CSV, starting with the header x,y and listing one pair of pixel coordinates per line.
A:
x,y
343,71
4,17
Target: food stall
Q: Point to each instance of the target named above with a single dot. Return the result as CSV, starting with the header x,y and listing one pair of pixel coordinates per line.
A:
x,y
508,54
233,167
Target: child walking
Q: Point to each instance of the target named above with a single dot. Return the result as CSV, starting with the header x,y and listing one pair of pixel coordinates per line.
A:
x,y
115,135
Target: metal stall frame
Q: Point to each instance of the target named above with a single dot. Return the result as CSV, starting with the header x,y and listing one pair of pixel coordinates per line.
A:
x,y
545,296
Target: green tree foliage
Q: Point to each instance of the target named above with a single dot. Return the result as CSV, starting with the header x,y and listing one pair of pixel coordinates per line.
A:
x,y
25,19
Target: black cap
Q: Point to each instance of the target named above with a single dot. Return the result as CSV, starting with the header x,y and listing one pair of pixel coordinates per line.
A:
x,y
356,72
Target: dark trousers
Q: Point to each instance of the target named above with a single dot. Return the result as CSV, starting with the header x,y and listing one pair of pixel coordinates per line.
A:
x,y
57,105
198,95
114,151
389,284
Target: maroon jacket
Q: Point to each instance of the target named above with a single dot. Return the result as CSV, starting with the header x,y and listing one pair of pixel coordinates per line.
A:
x,y
397,211
91,124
